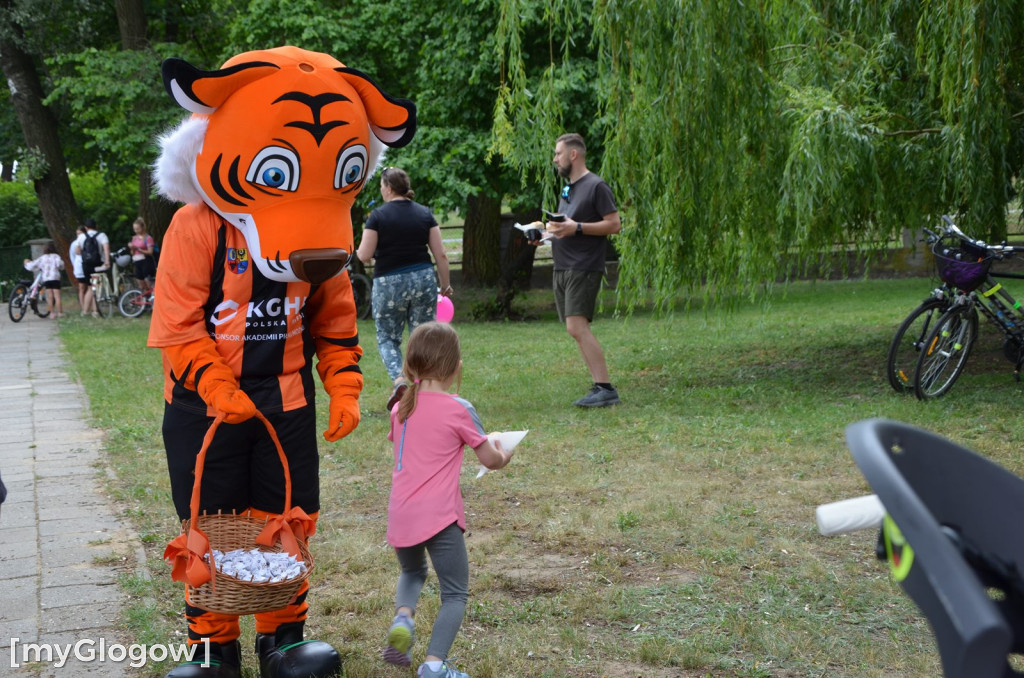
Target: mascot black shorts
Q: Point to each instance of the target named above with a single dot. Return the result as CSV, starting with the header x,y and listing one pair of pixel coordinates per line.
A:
x,y
242,468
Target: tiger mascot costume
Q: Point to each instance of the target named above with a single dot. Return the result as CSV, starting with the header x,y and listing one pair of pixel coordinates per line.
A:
x,y
251,285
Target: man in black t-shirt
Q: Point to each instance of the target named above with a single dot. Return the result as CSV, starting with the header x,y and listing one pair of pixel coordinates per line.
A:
x,y
579,250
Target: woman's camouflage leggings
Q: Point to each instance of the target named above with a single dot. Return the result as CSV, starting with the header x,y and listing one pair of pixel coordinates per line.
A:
x,y
400,299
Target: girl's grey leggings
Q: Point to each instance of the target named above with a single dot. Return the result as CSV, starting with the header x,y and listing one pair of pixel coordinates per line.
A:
x,y
447,551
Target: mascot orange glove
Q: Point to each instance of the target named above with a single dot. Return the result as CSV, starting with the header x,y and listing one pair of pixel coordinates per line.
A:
x,y
198,365
339,371
344,415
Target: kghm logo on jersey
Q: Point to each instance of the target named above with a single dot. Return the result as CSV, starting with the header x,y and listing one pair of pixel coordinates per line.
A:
x,y
238,259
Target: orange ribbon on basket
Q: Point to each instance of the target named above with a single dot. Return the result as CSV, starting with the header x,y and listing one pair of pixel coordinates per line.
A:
x,y
291,528
186,554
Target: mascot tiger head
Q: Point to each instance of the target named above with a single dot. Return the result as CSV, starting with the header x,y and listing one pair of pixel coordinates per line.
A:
x,y
279,144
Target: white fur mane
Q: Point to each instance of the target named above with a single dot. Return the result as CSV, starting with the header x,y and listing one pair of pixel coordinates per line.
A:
x,y
173,168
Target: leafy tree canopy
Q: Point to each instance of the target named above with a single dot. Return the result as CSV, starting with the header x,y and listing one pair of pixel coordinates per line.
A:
x,y
737,133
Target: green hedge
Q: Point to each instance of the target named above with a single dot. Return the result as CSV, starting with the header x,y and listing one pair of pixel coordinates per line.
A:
x,y
114,205
20,219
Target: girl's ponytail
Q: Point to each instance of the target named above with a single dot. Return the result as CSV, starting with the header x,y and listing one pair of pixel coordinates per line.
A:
x,y
408,402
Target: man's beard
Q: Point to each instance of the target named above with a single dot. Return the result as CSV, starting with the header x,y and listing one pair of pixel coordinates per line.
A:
x,y
563,172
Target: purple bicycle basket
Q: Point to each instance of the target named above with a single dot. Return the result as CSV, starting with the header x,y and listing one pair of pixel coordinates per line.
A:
x,y
961,268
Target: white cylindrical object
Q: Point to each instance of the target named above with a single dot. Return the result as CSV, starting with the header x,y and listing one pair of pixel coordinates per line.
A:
x,y
850,515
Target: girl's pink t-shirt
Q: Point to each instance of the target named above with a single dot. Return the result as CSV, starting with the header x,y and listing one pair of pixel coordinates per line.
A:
x,y
140,242
425,494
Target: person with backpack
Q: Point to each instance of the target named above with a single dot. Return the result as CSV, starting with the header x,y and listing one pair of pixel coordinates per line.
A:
x,y
94,248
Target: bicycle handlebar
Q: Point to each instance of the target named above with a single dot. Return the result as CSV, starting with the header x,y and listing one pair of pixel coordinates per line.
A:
x,y
952,229
849,515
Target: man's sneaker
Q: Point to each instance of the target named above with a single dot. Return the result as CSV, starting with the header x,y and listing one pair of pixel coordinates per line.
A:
x,y
400,639
446,671
599,397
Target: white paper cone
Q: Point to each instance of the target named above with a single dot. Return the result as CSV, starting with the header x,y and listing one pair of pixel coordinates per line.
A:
x,y
509,440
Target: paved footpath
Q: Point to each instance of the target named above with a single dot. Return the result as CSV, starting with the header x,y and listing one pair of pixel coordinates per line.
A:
x,y
61,538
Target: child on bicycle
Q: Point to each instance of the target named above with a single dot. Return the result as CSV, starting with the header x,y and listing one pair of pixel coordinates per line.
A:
x,y
49,264
429,427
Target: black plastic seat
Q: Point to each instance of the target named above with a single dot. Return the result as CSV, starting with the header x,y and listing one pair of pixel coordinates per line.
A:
x,y
963,519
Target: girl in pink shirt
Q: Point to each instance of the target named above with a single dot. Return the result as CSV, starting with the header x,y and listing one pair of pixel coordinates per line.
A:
x,y
429,428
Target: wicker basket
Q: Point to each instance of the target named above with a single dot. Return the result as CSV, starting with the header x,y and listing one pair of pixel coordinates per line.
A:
x,y
228,595
961,266
229,531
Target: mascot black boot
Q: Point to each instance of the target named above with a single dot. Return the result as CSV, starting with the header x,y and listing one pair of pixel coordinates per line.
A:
x,y
225,662
284,654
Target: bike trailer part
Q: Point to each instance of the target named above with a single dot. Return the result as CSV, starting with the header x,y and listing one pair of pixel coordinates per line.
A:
x,y
952,539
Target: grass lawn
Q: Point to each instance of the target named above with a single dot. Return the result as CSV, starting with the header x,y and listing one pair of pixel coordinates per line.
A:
x,y
672,535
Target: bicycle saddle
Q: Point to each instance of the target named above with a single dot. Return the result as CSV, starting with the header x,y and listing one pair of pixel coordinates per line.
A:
x,y
952,536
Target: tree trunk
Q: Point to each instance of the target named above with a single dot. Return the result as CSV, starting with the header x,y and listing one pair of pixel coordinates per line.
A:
x,y
131,21
481,241
154,209
516,265
53,189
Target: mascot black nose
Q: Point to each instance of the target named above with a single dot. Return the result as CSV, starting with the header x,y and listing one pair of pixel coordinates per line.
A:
x,y
316,266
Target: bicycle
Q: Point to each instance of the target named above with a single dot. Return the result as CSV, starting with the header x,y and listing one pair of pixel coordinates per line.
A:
x,y
135,302
966,265
931,346
362,291
103,292
122,272
26,295
949,523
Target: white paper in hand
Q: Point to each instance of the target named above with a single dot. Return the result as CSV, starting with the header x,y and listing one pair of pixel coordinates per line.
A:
x,y
508,439
545,237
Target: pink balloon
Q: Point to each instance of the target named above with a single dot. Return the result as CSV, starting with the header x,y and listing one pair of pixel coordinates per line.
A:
x,y
445,309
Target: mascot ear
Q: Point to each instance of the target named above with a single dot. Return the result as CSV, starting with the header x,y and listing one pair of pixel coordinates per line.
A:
x,y
393,121
203,91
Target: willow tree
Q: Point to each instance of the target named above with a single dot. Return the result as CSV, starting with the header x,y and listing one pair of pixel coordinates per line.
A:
x,y
743,139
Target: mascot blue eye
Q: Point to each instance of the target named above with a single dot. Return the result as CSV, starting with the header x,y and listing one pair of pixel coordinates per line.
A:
x,y
275,167
273,177
351,167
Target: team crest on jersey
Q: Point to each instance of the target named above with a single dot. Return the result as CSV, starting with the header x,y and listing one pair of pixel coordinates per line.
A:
x,y
238,259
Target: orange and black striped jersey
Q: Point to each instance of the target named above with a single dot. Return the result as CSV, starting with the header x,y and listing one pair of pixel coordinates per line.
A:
x,y
265,331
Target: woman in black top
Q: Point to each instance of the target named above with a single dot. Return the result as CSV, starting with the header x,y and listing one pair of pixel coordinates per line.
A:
x,y
401,235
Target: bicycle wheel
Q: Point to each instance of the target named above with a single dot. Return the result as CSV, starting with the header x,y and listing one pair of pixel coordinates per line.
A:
x,y
945,352
132,303
40,305
105,301
361,290
125,282
906,344
18,303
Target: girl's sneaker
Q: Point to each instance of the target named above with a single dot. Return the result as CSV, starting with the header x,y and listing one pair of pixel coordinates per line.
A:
x,y
400,639
446,671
